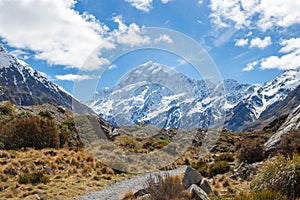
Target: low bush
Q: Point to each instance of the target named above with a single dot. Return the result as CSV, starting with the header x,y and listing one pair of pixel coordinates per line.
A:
x,y
251,150
159,144
166,188
290,143
46,114
6,108
219,167
281,175
33,132
33,178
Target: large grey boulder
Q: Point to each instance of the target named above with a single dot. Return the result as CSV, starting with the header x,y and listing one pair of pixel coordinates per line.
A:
x,y
191,176
198,193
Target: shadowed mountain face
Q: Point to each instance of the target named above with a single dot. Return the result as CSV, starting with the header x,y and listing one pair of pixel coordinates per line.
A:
x,y
22,85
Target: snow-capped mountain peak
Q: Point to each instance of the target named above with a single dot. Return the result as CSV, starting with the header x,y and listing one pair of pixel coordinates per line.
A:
x,y
156,94
2,49
22,85
263,98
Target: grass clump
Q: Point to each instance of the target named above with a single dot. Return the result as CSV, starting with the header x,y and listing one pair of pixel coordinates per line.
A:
x,y
225,157
159,144
261,195
33,178
6,108
219,167
166,187
281,175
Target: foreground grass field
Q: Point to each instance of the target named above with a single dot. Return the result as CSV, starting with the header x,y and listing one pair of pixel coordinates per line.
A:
x,y
64,174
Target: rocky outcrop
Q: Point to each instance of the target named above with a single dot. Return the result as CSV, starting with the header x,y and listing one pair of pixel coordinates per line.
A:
x,y
196,184
191,176
292,123
193,181
244,171
198,192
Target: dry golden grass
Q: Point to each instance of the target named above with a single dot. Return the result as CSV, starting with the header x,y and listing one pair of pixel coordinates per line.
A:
x,y
128,196
71,173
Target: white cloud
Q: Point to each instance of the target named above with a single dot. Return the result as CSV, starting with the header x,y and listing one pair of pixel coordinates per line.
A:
x,y
241,42
250,66
73,77
259,43
110,67
200,2
249,34
20,54
129,35
290,60
263,14
165,1
282,13
52,29
143,5
163,38
58,34
226,11
290,45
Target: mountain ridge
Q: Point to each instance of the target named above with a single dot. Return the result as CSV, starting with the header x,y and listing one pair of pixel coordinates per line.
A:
x,y
22,85
198,103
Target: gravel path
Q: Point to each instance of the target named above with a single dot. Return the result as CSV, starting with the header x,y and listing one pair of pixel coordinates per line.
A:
x,y
115,191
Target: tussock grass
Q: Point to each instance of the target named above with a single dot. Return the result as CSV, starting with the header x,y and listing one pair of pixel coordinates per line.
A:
x,y
52,174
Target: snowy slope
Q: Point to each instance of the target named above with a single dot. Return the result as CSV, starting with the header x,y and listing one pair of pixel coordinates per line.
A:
x,y
22,85
155,94
266,97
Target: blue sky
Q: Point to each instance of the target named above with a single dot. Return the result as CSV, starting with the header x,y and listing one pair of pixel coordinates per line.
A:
x,y
249,40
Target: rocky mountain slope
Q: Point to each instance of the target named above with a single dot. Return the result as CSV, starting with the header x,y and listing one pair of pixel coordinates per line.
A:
x,y
152,93
259,104
292,123
285,107
22,85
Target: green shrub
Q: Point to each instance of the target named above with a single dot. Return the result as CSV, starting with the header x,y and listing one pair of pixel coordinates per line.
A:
x,y
46,114
281,175
251,150
33,178
220,167
290,143
159,144
261,195
33,132
6,108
